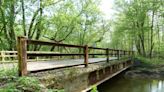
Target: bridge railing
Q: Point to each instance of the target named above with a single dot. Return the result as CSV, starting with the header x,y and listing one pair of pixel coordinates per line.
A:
x,y
8,55
23,42
11,56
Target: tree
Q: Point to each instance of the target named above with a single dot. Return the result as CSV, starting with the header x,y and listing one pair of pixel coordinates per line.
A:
x,y
136,19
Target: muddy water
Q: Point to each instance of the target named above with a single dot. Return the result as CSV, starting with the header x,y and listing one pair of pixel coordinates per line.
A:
x,y
121,84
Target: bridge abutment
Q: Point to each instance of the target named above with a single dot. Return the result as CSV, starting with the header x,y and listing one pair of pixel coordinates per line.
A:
x,y
80,79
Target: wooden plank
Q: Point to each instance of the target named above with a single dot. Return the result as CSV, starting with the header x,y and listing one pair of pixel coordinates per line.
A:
x,y
107,54
118,54
67,66
100,48
9,52
100,54
51,54
9,56
22,56
37,42
3,58
58,54
86,56
96,48
34,71
41,65
28,52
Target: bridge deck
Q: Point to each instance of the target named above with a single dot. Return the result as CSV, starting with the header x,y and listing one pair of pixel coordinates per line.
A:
x,y
43,65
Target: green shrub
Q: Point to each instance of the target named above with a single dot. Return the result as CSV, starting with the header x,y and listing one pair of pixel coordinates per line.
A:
x,y
151,61
28,84
8,72
21,84
94,89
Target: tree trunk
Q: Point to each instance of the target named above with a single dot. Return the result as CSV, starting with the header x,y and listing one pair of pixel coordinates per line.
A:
x,y
23,18
11,27
151,39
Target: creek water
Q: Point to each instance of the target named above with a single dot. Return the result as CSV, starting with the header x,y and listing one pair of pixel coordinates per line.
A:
x,y
121,84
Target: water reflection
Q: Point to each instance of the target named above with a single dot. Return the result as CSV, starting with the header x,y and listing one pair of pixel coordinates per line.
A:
x,y
157,86
120,84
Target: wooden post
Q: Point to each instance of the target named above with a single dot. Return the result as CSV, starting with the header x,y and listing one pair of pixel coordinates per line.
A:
x,y
86,55
124,53
93,56
107,54
37,58
115,53
3,56
22,56
129,53
118,54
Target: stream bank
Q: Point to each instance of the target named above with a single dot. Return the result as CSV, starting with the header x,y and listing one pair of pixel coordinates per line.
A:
x,y
146,68
146,72
145,76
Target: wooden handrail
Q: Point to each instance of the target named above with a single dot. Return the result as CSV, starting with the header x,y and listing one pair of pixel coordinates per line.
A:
x,y
86,55
36,42
98,48
7,56
23,53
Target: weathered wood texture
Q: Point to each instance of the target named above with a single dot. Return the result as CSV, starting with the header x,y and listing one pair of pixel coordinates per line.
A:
x,y
22,53
86,55
22,56
8,55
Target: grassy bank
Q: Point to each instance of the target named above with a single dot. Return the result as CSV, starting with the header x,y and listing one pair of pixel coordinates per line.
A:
x,y
10,82
151,61
147,69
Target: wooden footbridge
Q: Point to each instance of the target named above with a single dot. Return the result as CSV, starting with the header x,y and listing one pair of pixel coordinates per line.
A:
x,y
27,67
84,65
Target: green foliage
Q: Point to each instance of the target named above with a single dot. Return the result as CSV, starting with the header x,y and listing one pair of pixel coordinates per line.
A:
x,y
10,88
20,84
28,84
8,72
152,61
138,25
12,83
56,20
94,89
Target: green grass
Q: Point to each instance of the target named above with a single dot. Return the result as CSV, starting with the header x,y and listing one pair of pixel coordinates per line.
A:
x,y
21,84
11,82
151,61
8,72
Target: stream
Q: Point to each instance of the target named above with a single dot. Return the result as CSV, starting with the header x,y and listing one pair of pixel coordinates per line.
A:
x,y
121,84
